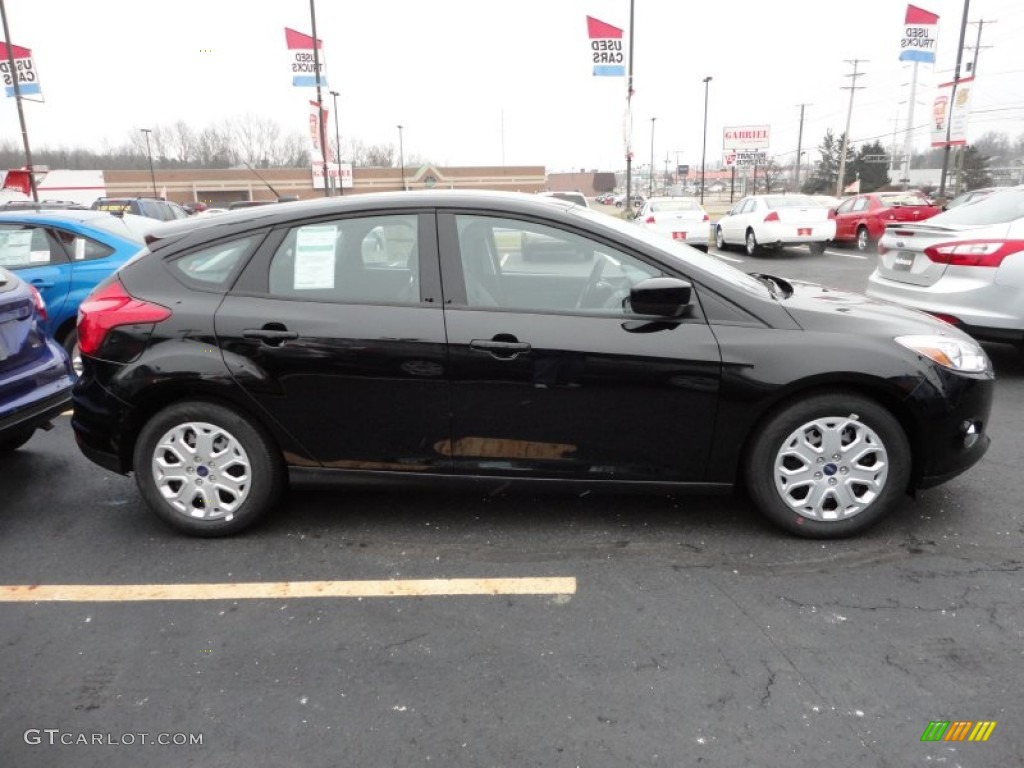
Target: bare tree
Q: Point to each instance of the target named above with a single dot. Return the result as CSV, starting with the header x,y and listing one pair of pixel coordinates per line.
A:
x,y
380,155
770,173
254,138
181,143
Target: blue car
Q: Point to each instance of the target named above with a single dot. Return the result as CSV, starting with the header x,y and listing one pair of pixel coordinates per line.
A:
x,y
64,254
35,372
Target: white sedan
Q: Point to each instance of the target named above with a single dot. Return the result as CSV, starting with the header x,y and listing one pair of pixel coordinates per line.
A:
x,y
771,221
680,218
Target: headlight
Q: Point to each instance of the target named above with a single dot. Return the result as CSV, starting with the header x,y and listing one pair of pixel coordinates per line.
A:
x,y
958,354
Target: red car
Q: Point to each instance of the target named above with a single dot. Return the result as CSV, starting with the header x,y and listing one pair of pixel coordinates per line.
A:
x,y
862,219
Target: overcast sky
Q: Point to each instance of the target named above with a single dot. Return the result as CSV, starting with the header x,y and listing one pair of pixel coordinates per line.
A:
x,y
479,82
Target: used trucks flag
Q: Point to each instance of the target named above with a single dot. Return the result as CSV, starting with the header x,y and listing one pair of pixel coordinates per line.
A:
x,y
28,77
920,35
606,50
300,54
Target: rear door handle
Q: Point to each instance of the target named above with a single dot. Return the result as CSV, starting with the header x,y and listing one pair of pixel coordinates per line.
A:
x,y
40,283
505,350
273,334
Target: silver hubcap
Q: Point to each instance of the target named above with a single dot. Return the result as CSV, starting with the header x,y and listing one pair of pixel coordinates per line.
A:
x,y
202,471
719,240
862,240
831,468
751,242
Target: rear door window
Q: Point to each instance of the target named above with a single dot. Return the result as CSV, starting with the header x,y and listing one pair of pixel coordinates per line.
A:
x,y
23,246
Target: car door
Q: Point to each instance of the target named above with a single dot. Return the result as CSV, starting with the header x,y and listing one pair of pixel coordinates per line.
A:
x,y
732,223
336,330
32,251
845,218
551,375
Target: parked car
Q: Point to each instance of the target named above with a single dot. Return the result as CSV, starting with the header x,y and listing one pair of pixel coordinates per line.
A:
x,y
246,350
42,205
771,221
862,219
149,207
35,374
636,200
64,254
678,218
576,198
969,197
965,265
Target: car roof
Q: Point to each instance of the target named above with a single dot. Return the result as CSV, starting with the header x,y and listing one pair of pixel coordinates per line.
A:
x,y
87,220
379,202
55,215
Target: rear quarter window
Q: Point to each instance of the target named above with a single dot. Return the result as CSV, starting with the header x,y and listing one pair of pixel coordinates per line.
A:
x,y
214,267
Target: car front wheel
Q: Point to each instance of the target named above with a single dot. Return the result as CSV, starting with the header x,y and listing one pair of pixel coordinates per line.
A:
x,y
207,470
719,239
829,466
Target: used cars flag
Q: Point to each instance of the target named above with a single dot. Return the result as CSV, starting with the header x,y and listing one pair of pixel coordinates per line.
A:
x,y
28,76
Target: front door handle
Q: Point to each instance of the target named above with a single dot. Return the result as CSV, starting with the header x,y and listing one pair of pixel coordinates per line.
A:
x,y
503,346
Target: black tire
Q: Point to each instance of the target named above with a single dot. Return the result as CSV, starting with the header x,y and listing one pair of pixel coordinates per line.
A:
x,y
863,241
70,344
257,471
817,249
13,441
720,243
853,416
751,244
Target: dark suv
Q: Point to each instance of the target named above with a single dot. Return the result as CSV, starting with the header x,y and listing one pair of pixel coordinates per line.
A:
x,y
150,207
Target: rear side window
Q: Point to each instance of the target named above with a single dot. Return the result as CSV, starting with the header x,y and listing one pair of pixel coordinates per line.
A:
x,y
82,248
23,246
214,267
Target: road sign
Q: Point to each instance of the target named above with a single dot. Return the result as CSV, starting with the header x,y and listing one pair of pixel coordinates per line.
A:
x,y
876,159
683,170
740,137
748,159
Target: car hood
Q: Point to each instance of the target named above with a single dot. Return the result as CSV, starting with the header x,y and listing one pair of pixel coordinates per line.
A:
x,y
819,308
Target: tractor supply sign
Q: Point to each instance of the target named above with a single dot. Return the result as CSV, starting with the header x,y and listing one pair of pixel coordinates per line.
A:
x,y
28,76
300,55
747,158
746,137
920,35
606,50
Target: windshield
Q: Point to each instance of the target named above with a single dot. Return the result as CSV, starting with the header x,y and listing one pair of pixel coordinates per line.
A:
x,y
902,198
1000,207
661,206
683,255
789,201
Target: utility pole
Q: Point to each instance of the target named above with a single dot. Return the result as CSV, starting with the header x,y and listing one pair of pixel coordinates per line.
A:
x,y
629,116
799,147
973,67
952,98
852,87
321,129
21,111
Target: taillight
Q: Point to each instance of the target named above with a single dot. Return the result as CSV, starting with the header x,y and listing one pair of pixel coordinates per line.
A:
x,y
831,213
110,308
974,253
39,302
773,216
706,217
649,220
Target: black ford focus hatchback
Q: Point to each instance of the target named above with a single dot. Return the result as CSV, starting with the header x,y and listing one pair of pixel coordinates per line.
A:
x,y
426,337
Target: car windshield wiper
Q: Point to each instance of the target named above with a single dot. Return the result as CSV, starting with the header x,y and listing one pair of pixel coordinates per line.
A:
x,y
784,286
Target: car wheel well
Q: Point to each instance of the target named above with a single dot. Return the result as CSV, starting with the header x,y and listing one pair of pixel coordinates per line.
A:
x,y
164,398
65,328
879,395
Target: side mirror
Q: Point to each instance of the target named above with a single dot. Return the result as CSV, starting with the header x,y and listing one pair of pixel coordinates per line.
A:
x,y
660,296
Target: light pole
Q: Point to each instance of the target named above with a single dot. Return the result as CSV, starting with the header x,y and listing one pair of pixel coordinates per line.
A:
x,y
650,178
149,151
401,156
704,144
337,143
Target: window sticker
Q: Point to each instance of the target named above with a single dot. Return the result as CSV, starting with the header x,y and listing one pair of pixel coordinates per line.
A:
x,y
16,249
314,257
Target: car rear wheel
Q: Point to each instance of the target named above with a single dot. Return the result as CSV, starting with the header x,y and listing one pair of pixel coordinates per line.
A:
x,y
863,238
753,249
15,440
207,470
829,466
817,249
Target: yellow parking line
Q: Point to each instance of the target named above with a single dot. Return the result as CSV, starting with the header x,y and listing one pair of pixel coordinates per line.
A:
x,y
276,590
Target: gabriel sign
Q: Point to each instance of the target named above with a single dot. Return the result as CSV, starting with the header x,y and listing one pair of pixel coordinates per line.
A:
x,y
746,137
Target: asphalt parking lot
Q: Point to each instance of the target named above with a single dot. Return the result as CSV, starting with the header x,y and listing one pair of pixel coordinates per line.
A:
x,y
559,630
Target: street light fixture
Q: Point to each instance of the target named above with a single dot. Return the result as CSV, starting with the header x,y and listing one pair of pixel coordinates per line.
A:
x,y
401,157
337,143
149,151
704,145
650,179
